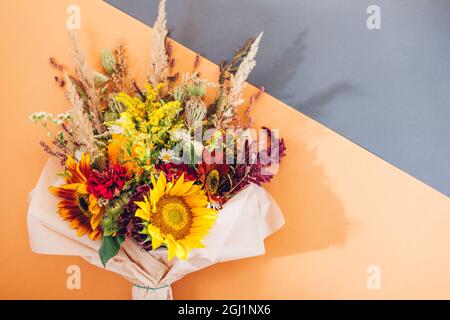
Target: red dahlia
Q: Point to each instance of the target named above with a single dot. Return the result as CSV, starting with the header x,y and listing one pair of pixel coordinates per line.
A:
x,y
108,183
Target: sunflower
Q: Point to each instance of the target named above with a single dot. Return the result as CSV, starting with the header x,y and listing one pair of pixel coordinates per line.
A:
x,y
175,214
77,206
211,174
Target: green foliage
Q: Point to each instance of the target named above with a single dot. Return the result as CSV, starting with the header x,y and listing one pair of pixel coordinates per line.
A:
x,y
109,248
111,218
196,91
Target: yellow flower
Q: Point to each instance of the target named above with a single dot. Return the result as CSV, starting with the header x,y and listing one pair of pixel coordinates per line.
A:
x,y
152,114
122,151
135,107
151,93
176,215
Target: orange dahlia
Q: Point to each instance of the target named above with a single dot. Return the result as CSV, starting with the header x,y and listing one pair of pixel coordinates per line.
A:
x,y
77,205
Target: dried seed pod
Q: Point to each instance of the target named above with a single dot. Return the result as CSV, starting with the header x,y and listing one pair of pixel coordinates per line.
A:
x,y
99,78
179,93
195,112
109,62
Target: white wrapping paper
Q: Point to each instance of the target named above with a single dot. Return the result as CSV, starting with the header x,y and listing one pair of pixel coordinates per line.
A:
x,y
239,232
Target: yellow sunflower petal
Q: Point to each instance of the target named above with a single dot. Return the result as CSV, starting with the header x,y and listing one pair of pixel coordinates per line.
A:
x,y
202,211
95,221
179,216
169,186
144,209
186,187
192,243
160,186
177,187
73,200
171,247
95,235
157,239
75,175
142,214
64,191
194,190
93,205
153,199
181,187
152,178
84,166
196,201
205,219
82,189
181,252
71,164
81,230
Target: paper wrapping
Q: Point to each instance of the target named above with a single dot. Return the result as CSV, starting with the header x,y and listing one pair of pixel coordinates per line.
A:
x,y
239,232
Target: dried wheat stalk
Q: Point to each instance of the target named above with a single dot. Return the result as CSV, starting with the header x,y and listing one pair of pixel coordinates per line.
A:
x,y
232,95
237,81
120,77
81,125
87,80
160,60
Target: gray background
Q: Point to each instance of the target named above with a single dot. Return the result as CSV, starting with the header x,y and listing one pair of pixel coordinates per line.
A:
x,y
387,90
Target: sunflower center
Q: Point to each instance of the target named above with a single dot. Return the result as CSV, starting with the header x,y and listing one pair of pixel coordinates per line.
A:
x,y
212,181
172,216
83,205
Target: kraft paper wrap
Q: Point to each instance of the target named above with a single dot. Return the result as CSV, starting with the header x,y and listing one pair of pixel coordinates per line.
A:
x,y
239,232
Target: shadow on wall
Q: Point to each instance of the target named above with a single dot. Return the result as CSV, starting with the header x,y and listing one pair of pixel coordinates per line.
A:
x,y
282,50
315,106
315,220
315,217
285,68
197,20
283,72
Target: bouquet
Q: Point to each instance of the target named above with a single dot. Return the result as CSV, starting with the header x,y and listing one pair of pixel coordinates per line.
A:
x,y
155,181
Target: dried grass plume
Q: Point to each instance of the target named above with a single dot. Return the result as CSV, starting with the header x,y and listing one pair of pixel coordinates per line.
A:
x,y
232,95
160,60
81,125
237,81
87,81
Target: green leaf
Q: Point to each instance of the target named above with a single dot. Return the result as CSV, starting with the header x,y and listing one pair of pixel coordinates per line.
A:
x,y
109,248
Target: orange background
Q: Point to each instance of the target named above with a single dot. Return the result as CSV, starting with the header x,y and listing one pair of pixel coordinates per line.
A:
x,y
345,208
